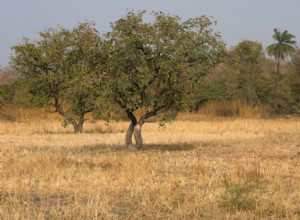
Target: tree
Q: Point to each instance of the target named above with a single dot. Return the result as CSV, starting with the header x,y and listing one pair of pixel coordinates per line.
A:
x,y
59,68
156,65
282,47
280,88
295,79
236,77
7,77
248,57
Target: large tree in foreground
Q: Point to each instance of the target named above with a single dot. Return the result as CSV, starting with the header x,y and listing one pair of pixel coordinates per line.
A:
x,y
156,66
283,46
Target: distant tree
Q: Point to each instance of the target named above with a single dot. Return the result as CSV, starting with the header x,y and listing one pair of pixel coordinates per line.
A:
x,y
248,57
6,94
156,65
8,81
284,45
236,77
296,59
58,69
280,95
295,79
8,75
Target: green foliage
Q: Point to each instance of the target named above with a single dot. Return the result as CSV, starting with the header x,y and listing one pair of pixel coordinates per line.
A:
x,y
247,58
294,78
6,94
156,65
284,46
244,76
21,93
236,77
60,70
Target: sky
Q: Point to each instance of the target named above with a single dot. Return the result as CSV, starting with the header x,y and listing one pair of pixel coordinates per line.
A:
x,y
237,20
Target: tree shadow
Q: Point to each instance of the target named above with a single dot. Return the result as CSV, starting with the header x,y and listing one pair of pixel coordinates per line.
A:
x,y
167,147
98,149
95,149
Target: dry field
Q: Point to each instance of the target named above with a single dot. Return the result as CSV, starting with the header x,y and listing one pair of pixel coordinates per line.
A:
x,y
208,169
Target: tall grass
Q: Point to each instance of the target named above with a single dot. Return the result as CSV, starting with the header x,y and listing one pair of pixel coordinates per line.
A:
x,y
232,109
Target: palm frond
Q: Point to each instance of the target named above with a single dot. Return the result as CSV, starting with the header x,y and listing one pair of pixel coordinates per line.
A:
x,y
283,46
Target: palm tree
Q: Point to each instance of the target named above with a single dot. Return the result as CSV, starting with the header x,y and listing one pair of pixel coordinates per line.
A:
x,y
282,47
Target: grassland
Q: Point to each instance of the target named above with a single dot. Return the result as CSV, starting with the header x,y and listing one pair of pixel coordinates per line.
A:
x,y
206,169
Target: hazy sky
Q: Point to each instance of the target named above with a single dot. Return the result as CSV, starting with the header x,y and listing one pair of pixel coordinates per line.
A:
x,y
237,19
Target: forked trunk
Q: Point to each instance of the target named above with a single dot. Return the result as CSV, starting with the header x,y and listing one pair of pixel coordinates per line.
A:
x,y
136,131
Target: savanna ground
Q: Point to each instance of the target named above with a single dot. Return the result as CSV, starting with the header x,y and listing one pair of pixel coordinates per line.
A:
x,y
206,169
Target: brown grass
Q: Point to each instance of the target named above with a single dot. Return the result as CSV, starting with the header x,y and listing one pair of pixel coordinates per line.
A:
x,y
212,169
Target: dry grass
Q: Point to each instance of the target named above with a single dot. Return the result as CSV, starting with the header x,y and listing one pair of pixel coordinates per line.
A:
x,y
213,169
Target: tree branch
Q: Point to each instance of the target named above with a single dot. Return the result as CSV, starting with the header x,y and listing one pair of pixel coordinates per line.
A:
x,y
122,105
57,106
131,117
146,116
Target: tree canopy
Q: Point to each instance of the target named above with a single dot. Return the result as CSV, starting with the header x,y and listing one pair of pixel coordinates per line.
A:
x,y
155,65
283,46
59,67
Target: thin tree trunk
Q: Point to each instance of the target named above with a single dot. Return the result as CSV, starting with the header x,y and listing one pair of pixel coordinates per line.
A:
x,y
278,67
78,127
57,106
277,79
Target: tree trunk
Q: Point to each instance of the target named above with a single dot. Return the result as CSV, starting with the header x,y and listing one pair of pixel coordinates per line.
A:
x,y
278,67
137,132
78,126
128,137
135,129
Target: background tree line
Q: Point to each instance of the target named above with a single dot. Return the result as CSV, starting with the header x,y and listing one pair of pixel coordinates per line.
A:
x,y
246,74
160,67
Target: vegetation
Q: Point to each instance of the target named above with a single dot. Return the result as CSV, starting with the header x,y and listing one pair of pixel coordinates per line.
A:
x,y
158,68
208,169
155,66
58,70
204,166
283,46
